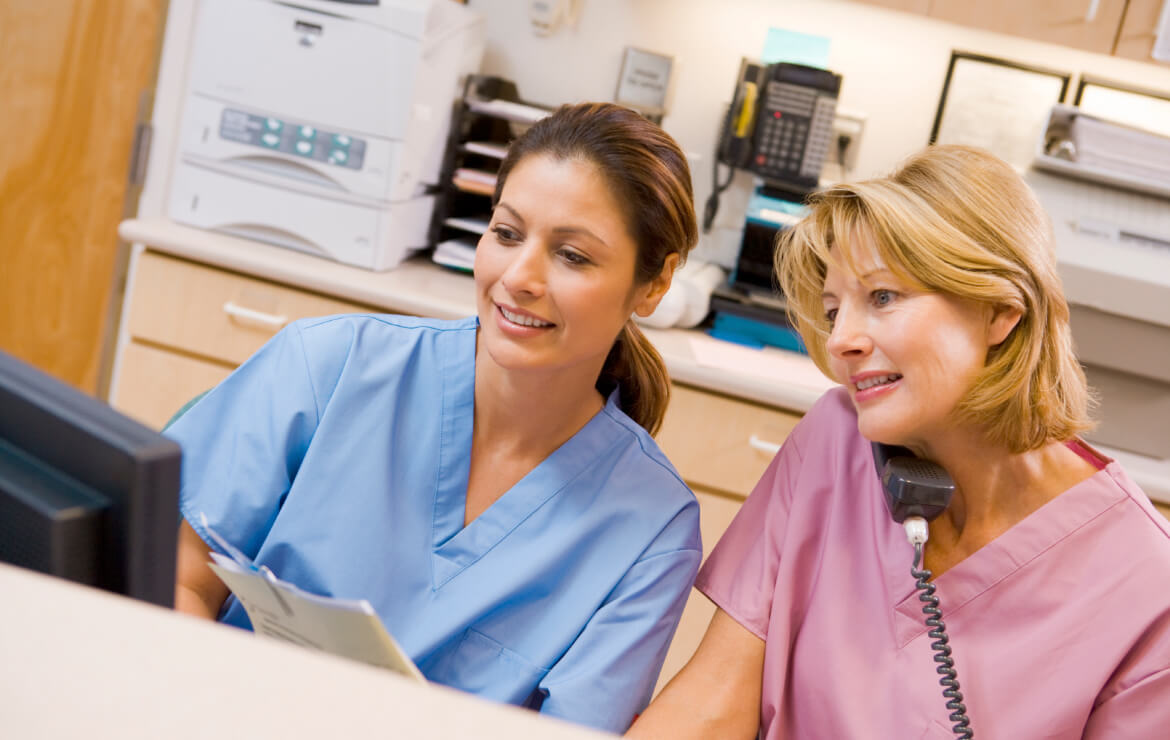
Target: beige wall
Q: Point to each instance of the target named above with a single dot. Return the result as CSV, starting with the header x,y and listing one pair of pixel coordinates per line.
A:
x,y
893,65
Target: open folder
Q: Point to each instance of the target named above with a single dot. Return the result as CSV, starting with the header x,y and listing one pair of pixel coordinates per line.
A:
x,y
279,609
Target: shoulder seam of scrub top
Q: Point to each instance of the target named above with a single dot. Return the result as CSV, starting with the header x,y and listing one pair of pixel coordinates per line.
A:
x,y
308,373
621,418
1159,522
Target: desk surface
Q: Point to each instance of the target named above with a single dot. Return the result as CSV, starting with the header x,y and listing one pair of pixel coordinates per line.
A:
x,y
76,662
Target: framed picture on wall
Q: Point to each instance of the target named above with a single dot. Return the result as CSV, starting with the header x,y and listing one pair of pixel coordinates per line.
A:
x,y
644,81
997,104
1133,106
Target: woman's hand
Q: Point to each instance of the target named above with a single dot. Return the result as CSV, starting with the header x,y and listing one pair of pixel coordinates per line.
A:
x,y
198,590
717,693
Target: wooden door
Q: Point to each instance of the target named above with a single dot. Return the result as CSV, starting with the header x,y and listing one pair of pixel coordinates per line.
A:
x,y
73,74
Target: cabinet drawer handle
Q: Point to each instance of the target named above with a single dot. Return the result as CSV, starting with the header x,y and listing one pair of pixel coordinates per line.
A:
x,y
1091,13
763,445
248,315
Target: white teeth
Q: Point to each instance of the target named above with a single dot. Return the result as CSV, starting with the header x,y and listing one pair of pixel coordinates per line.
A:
x,y
877,380
521,319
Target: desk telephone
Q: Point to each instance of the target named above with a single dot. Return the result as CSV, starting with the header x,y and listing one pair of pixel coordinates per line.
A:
x,y
781,121
778,126
917,491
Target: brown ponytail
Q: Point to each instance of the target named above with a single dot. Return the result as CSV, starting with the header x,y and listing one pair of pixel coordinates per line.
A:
x,y
649,173
637,369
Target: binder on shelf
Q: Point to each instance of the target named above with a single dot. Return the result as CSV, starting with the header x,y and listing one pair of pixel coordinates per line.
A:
x,y
474,225
508,110
487,149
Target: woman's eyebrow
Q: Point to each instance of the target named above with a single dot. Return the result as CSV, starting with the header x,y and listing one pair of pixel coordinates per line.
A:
x,y
579,230
511,210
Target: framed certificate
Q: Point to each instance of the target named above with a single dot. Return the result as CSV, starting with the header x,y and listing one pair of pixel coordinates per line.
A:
x,y
997,104
644,81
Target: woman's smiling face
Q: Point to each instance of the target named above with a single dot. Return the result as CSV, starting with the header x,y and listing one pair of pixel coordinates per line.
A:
x,y
554,272
906,354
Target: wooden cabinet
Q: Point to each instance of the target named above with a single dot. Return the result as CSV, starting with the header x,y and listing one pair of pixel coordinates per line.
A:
x,y
1084,24
1119,27
155,383
1136,38
189,325
721,446
921,7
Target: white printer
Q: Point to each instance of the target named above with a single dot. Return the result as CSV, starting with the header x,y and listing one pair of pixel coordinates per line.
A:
x,y
321,125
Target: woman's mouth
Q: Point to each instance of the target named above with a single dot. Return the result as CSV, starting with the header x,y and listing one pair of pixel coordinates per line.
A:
x,y
876,380
523,319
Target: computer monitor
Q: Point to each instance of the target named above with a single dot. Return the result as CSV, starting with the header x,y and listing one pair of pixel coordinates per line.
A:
x,y
86,493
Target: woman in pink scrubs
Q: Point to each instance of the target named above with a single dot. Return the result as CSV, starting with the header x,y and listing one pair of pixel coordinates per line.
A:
x,y
932,296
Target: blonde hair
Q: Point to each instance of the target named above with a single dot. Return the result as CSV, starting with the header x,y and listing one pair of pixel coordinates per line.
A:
x,y
959,221
649,173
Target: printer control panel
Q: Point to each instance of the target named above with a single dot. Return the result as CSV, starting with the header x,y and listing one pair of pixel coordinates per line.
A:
x,y
299,140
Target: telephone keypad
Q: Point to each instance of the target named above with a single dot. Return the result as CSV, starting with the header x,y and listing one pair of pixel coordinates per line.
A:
x,y
788,112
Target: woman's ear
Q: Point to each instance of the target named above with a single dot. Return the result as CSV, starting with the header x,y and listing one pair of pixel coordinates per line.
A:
x,y
1003,320
657,287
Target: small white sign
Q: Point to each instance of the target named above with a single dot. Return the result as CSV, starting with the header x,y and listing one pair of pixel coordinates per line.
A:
x,y
644,80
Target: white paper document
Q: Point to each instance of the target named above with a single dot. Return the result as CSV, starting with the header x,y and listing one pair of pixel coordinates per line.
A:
x,y
279,609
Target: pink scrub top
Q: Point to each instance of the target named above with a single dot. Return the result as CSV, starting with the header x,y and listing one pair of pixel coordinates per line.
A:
x,y
1060,626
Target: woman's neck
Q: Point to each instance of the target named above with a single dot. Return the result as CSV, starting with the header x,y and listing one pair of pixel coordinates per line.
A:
x,y
531,412
995,489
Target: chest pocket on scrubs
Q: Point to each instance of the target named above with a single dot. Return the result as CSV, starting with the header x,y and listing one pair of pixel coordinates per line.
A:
x,y
484,667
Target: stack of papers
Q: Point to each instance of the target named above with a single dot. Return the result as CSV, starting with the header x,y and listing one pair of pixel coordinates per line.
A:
x,y
279,609
508,110
1118,148
458,253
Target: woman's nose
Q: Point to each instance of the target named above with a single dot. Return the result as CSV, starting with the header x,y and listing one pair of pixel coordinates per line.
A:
x,y
848,336
525,273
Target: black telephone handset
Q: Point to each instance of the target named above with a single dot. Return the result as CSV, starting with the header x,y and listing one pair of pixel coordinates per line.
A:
x,y
735,140
916,488
913,486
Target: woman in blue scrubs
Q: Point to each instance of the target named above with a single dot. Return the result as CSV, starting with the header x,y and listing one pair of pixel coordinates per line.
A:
x,y
490,484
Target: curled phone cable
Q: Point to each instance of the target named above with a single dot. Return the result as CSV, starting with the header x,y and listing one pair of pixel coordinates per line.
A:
x,y
916,533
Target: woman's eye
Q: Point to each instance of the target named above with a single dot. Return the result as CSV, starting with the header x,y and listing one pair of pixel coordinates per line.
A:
x,y
573,257
882,297
831,316
505,234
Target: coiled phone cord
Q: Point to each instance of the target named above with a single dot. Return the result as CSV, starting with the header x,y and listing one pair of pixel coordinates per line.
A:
x,y
916,533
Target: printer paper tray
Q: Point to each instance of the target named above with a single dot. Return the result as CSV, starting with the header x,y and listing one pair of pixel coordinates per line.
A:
x,y
369,237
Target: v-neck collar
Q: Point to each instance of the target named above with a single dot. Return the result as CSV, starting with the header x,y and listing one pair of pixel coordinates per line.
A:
x,y
455,547
998,559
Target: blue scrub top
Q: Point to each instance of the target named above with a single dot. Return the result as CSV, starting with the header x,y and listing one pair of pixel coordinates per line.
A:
x,y
338,456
